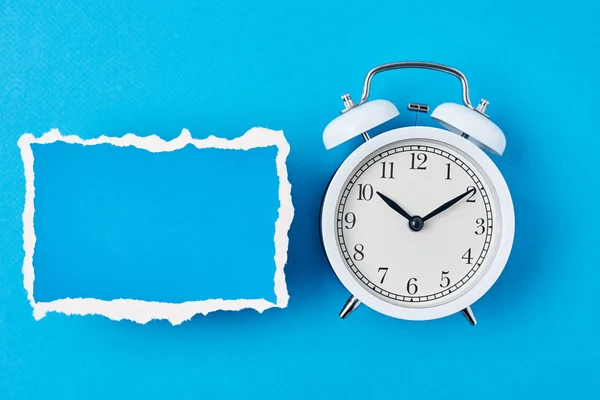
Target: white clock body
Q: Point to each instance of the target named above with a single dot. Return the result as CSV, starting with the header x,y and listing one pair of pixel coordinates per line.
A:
x,y
451,259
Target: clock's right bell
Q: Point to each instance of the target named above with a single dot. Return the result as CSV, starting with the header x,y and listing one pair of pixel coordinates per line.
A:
x,y
479,128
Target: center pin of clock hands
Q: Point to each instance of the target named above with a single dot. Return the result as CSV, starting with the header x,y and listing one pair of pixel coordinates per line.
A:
x,y
416,223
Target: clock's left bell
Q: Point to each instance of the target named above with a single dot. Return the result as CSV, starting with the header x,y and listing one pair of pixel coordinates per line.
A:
x,y
356,120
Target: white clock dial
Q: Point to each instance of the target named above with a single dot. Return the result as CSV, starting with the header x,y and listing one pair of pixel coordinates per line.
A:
x,y
415,223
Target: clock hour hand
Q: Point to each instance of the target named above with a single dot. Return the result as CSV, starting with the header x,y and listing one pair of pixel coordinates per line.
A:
x,y
394,206
448,204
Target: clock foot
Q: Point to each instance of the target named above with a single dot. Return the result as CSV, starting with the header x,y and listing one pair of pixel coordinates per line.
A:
x,y
351,304
468,313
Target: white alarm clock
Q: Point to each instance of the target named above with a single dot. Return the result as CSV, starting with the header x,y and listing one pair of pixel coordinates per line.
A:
x,y
418,222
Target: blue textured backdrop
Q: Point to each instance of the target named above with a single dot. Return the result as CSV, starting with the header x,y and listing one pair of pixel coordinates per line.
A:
x,y
223,67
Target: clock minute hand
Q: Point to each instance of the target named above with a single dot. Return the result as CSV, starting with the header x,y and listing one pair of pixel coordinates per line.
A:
x,y
447,205
394,206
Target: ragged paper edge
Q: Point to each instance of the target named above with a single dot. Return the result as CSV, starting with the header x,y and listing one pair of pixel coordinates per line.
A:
x,y
143,311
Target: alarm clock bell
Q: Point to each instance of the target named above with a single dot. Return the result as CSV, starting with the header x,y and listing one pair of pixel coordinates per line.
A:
x,y
473,123
357,120
465,120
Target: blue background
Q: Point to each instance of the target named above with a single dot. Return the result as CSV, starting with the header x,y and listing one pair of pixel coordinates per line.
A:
x,y
223,67
187,225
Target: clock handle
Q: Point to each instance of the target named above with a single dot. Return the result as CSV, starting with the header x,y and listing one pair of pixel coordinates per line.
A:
x,y
419,65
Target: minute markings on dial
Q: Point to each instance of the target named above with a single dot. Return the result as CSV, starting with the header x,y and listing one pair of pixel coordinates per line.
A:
x,y
374,282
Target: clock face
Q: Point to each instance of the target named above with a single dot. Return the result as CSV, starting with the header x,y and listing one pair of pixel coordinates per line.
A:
x,y
415,223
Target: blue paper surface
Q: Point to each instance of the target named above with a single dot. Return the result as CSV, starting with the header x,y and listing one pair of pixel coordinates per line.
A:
x,y
125,223
220,68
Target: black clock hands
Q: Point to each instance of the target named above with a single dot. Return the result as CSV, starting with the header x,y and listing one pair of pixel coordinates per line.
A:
x,y
448,204
416,223
394,206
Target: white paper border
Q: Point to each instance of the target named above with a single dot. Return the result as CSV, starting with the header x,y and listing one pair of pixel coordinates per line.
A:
x,y
144,311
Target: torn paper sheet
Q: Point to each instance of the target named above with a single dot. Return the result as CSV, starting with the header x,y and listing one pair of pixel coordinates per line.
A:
x,y
140,228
